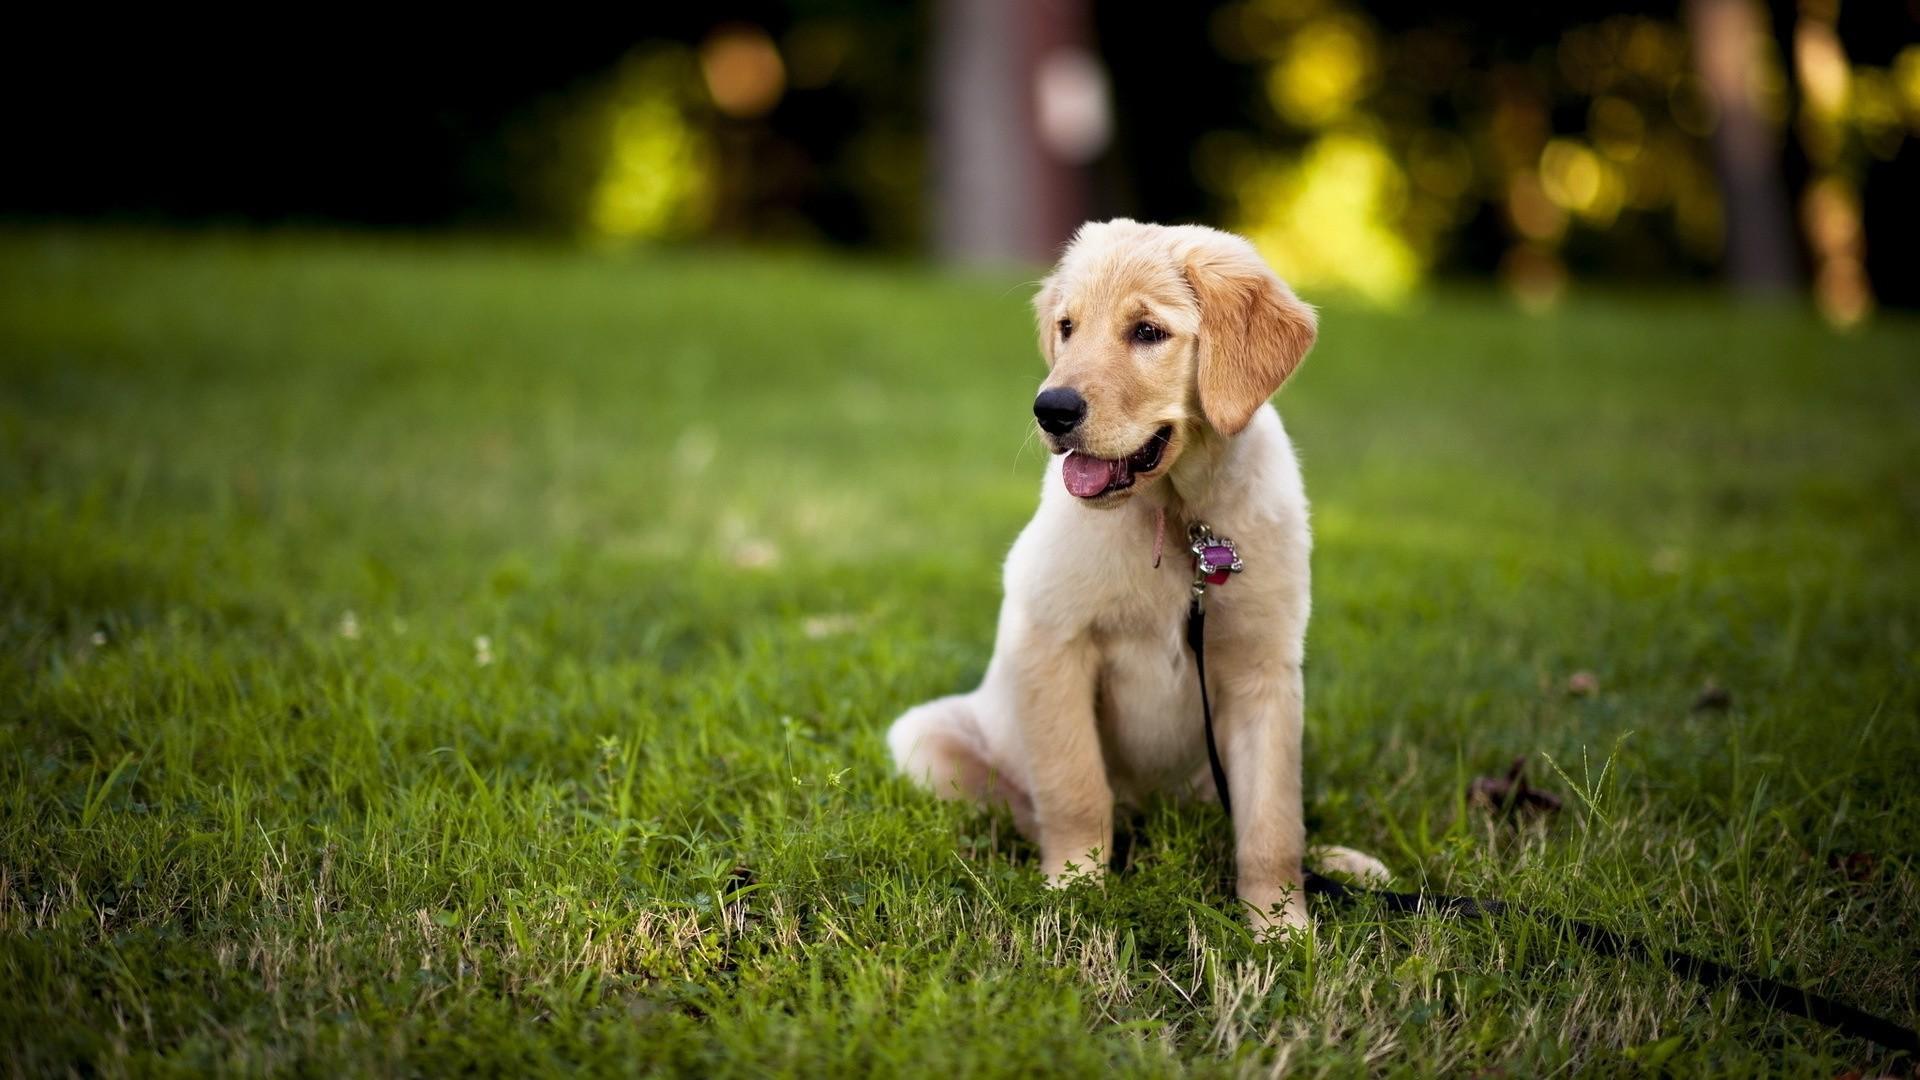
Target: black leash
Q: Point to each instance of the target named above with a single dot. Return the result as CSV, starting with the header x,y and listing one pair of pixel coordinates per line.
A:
x,y
1197,641
1211,567
1214,560
1772,993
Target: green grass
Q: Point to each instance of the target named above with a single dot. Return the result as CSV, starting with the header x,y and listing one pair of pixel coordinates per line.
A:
x,y
720,518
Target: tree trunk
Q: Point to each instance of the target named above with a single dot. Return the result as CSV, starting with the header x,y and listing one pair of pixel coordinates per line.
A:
x,y
1000,194
1760,253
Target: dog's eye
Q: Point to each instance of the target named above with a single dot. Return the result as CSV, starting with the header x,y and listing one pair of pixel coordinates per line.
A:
x,y
1146,333
1066,329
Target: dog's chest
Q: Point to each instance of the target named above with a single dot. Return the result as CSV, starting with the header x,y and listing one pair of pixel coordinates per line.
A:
x,y
1147,700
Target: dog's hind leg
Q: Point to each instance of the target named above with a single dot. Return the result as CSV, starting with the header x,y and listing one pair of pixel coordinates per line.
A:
x,y
1358,865
940,746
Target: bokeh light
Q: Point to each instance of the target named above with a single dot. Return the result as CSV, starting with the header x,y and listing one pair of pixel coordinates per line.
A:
x,y
656,164
1324,70
1370,148
1384,150
1328,217
743,70
1832,222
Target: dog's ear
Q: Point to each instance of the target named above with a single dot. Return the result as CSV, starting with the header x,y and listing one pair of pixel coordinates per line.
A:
x,y
1253,331
1044,303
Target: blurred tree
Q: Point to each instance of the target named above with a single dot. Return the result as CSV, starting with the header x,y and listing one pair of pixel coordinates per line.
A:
x,y
1734,55
1020,108
1367,145
459,122
1387,141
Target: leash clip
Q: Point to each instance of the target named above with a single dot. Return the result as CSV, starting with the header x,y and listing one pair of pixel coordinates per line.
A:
x,y
1215,558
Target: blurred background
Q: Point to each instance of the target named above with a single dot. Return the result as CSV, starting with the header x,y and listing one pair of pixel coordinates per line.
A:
x,y
1370,149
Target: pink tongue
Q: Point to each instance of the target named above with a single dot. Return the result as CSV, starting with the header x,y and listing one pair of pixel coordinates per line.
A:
x,y
1089,476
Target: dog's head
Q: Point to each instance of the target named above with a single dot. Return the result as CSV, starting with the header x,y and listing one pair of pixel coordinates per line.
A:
x,y
1152,334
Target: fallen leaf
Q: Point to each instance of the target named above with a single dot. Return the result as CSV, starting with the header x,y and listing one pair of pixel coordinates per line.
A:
x,y
817,627
755,554
1511,794
1852,865
1712,697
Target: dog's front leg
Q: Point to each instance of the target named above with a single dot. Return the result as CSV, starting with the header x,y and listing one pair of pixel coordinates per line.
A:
x,y
1072,801
1260,713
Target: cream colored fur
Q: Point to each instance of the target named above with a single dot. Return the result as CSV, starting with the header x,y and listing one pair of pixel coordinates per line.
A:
x,y
1090,698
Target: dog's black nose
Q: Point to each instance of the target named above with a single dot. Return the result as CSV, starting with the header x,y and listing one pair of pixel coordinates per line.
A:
x,y
1059,410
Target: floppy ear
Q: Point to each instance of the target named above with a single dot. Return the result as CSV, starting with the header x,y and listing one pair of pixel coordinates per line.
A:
x,y
1043,305
1253,333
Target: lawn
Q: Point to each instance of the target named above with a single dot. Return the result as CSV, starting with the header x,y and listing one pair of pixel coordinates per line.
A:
x,y
426,655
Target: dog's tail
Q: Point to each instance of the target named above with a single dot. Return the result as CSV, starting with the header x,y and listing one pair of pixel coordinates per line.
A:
x,y
1361,868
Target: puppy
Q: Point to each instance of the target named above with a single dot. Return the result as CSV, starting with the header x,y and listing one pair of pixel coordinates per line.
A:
x,y
1163,345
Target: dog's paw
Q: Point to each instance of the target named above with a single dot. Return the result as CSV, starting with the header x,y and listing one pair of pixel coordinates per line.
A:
x,y
1359,867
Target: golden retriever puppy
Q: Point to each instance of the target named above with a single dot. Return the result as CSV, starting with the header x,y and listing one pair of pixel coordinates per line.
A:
x,y
1163,345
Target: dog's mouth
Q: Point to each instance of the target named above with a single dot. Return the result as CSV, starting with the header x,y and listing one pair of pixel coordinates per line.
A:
x,y
1090,477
